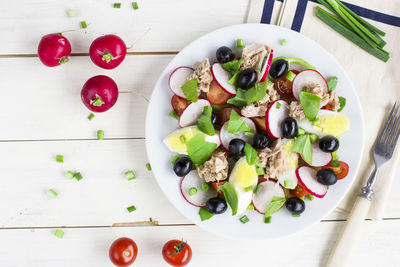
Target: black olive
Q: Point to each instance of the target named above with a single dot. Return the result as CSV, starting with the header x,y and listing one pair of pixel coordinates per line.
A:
x,y
224,54
329,143
278,68
261,141
295,205
326,177
214,119
216,205
183,166
236,147
289,128
246,79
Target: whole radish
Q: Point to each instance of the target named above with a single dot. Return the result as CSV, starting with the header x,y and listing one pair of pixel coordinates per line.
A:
x,y
54,49
99,93
107,51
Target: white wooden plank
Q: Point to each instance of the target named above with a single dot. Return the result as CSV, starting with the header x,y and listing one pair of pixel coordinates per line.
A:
x,y
89,247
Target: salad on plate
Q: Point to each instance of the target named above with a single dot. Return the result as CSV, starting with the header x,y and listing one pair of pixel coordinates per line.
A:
x,y
255,132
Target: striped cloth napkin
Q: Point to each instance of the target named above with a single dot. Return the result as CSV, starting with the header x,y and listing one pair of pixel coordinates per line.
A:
x,y
376,82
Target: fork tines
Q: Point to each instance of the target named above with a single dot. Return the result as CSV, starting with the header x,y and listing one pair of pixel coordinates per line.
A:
x,y
391,131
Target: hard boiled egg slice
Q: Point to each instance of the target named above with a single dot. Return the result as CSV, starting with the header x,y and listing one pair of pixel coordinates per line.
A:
x,y
330,123
243,176
288,178
176,141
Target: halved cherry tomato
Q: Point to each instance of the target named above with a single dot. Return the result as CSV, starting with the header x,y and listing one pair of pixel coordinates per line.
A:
x,y
216,95
177,253
260,123
215,185
327,107
284,86
178,104
225,113
298,191
123,251
341,171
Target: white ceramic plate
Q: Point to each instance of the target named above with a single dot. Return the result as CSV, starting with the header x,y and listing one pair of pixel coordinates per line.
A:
x,y
159,124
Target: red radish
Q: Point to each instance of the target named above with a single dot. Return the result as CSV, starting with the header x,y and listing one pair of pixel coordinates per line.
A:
x,y
319,157
308,179
107,51
178,78
226,136
192,179
275,114
308,77
266,66
192,112
222,78
54,49
99,93
264,197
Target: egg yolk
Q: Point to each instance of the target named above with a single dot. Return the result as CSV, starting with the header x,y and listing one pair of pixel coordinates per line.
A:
x,y
334,125
175,141
245,174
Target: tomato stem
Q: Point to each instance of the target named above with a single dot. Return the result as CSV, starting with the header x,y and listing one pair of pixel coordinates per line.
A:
x,y
178,248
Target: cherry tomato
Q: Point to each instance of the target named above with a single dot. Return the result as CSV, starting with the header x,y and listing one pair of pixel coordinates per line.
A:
x,y
225,113
178,104
260,123
215,185
123,251
341,171
284,86
177,253
216,95
327,107
298,191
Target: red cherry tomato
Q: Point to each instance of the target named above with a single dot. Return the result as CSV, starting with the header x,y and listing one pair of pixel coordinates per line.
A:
x,y
215,185
298,191
178,104
123,252
99,93
284,86
341,171
327,107
54,49
225,113
216,95
177,253
107,51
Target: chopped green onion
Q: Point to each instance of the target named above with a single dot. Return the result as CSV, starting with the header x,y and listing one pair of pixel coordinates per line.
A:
x,y
239,43
283,42
130,175
131,208
290,76
302,198
91,116
335,163
249,188
278,105
59,233
316,122
83,24
148,166
100,135
51,193
250,206
182,138
244,219
192,191
288,183
69,174
72,13
78,176
174,159
335,156
267,219
60,158
313,138
204,186
117,5
300,131
310,197
295,215
135,5
258,189
174,115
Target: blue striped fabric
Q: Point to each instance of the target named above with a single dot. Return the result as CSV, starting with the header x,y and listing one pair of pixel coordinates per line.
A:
x,y
299,15
267,11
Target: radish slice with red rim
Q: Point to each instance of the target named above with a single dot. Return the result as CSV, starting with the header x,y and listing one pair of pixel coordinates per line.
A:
x,y
265,68
226,136
264,197
306,78
319,157
192,112
178,78
192,179
288,179
275,114
308,179
222,78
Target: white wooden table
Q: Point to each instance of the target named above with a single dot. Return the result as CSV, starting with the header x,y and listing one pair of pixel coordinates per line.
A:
x,y
42,115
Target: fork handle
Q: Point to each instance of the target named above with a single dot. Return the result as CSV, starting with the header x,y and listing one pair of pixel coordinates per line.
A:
x,y
340,255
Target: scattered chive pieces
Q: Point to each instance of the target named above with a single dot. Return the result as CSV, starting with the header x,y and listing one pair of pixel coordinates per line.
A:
x,y
288,183
131,208
244,219
316,122
283,42
192,191
335,156
267,219
148,166
290,76
135,5
51,193
59,233
60,158
239,43
335,163
69,174
302,198
91,116
83,24
78,176
249,188
310,197
100,135
117,5
250,206
174,115
278,105
130,175
295,215
313,138
174,159
72,13
300,131
182,138
204,186
258,189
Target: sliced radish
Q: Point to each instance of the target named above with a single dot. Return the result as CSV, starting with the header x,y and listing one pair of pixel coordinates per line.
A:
x,y
308,179
178,78
274,116
288,179
266,66
192,179
264,197
319,157
305,78
222,78
192,112
226,136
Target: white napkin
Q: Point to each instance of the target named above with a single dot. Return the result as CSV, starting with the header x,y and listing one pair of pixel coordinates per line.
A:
x,y
376,82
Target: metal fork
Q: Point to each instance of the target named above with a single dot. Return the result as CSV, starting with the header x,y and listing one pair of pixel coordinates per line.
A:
x,y
382,153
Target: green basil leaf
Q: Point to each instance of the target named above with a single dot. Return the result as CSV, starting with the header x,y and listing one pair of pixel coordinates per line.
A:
x,y
174,115
190,90
199,150
230,196
244,97
335,163
302,145
332,83
342,102
251,154
232,66
310,104
205,214
275,205
236,124
204,123
234,78
239,99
